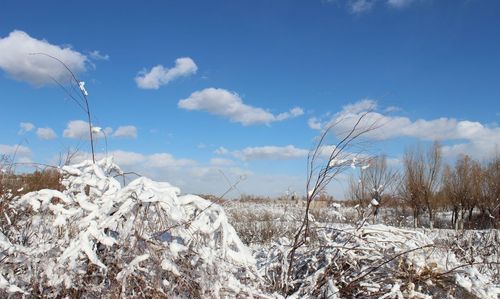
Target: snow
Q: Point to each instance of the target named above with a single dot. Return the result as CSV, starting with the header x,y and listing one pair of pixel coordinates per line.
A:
x,y
96,130
95,221
157,242
82,88
337,162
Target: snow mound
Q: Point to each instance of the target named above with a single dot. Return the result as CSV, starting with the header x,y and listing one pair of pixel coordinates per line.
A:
x,y
98,239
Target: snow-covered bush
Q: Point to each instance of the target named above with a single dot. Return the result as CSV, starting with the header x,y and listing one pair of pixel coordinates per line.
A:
x,y
373,261
97,239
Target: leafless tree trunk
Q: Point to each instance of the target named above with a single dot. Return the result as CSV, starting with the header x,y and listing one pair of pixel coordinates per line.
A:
x,y
421,179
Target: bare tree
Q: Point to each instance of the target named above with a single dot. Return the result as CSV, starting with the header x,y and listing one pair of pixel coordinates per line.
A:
x,y
321,171
375,180
490,201
463,188
421,179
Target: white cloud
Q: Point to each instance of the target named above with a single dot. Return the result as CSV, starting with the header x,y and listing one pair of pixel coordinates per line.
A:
x,y
126,132
228,104
160,75
360,6
141,161
392,109
314,123
288,152
360,106
96,55
165,160
294,112
214,177
190,175
221,162
481,140
25,127
16,59
46,133
204,178
18,150
79,129
125,158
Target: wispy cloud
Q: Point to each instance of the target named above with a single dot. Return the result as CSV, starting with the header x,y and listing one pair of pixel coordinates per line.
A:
x,y
230,105
126,132
96,55
160,75
360,6
399,3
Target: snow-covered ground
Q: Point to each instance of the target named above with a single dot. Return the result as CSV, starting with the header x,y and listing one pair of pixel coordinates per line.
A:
x,y
98,238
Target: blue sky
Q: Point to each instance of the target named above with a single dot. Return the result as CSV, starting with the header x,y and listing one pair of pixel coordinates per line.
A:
x,y
189,90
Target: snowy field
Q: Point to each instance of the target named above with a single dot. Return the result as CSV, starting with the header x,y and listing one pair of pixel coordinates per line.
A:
x,y
100,239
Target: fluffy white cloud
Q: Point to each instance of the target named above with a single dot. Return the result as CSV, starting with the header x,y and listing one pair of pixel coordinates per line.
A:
x,y
79,129
25,127
228,104
160,75
481,140
126,132
18,61
46,133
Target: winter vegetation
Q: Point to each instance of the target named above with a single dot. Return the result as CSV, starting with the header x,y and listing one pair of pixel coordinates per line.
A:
x,y
98,221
